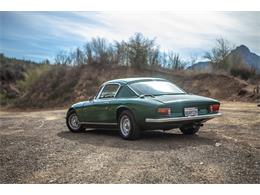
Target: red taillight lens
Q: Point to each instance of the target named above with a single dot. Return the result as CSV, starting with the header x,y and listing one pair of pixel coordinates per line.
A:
x,y
164,111
214,108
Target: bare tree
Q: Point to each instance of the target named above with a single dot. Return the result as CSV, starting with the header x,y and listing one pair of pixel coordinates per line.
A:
x,y
138,51
175,62
122,53
78,57
46,61
139,47
153,56
163,61
111,55
88,53
99,48
218,55
63,58
97,51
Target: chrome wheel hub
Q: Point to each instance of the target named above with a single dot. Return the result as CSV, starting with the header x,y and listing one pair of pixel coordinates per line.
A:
x,y
125,125
74,122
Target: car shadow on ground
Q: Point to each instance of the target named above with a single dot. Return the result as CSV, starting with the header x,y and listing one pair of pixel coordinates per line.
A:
x,y
149,140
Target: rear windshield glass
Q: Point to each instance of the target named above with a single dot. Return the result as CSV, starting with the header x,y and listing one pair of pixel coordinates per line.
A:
x,y
155,88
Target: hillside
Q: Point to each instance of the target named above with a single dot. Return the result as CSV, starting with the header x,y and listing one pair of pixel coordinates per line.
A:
x,y
63,86
249,58
12,70
26,84
16,75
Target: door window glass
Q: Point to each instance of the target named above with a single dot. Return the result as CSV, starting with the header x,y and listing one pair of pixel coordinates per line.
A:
x,y
109,91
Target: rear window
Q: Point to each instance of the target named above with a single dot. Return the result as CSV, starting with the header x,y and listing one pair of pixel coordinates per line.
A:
x,y
156,88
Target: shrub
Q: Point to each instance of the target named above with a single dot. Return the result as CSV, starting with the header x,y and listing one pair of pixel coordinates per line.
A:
x,y
243,72
31,75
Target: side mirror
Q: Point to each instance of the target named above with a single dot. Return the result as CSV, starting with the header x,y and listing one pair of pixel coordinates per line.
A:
x,y
91,98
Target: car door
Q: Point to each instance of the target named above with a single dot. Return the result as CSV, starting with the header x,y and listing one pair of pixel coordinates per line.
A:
x,y
101,109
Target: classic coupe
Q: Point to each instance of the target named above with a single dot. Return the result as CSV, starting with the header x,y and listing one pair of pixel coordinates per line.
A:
x,y
135,104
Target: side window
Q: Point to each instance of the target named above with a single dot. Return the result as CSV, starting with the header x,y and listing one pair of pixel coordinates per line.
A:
x,y
109,91
125,92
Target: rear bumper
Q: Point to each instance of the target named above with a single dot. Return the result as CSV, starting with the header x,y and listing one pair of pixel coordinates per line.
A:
x,y
182,119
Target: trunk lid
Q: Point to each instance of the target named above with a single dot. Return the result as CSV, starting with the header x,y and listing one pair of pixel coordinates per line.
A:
x,y
177,103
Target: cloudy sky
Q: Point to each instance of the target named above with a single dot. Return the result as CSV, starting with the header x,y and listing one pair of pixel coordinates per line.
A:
x,y
40,35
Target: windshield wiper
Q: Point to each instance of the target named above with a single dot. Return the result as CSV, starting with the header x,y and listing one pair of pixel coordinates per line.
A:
x,y
145,95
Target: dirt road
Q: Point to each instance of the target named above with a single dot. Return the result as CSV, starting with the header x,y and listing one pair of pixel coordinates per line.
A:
x,y
36,147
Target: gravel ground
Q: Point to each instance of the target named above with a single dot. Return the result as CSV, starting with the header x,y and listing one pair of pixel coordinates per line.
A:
x,y
36,147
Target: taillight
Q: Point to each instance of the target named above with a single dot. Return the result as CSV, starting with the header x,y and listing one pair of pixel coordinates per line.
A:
x,y
164,111
214,108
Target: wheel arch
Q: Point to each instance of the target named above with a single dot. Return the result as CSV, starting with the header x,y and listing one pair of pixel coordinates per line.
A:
x,y
70,109
122,108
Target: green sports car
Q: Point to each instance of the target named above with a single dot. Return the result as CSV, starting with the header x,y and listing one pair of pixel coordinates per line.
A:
x,y
135,104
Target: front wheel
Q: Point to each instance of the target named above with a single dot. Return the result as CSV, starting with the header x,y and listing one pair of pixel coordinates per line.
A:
x,y
73,123
128,127
190,129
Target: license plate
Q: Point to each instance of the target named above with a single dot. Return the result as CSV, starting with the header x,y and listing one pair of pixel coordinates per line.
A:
x,y
191,111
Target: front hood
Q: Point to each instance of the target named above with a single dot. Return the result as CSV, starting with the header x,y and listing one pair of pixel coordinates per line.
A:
x,y
182,98
79,104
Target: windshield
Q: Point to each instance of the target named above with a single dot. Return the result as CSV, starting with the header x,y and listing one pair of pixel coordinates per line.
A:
x,y
156,88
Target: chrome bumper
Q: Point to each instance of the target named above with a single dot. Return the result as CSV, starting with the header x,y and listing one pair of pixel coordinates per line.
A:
x,y
180,119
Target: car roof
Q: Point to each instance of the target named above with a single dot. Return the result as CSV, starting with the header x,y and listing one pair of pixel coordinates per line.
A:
x,y
133,80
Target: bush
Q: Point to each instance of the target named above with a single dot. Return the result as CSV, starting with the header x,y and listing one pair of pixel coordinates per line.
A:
x,y
242,72
31,75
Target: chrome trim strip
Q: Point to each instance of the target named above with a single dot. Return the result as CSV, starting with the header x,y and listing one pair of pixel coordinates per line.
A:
x,y
96,123
102,87
118,89
179,119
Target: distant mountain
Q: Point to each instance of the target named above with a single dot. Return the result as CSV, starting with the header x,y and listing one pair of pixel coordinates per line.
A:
x,y
249,58
199,66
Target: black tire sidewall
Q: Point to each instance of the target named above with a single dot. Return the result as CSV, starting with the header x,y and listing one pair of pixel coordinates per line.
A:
x,y
189,130
134,130
80,129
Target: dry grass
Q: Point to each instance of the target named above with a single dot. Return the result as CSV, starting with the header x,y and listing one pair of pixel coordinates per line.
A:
x,y
76,84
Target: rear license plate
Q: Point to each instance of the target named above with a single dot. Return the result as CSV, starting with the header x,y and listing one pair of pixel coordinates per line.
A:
x,y
191,111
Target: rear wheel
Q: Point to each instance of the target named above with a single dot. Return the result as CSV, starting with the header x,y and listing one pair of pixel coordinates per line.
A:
x,y
190,129
73,123
128,127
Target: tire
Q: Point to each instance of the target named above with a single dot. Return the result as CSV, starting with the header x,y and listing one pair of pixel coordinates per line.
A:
x,y
72,122
190,129
128,127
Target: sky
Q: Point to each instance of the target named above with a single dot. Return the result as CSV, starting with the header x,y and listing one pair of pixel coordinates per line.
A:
x,y
40,35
